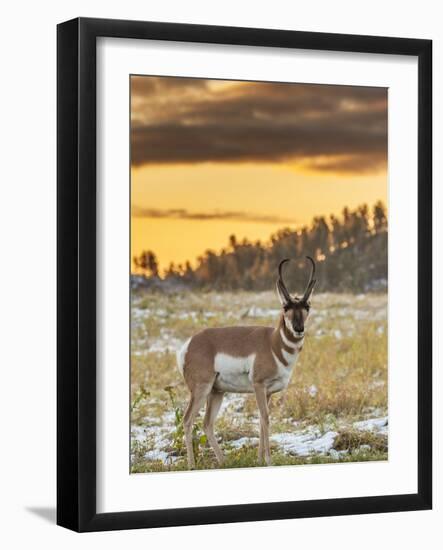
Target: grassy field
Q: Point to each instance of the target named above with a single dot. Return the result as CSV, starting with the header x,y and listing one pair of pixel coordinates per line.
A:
x,y
334,410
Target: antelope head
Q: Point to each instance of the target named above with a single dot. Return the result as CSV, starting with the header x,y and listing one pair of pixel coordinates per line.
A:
x,y
295,308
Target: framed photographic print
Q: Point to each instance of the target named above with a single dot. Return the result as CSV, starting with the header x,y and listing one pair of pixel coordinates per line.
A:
x,y
244,274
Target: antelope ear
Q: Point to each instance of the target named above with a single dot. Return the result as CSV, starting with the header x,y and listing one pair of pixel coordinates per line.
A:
x,y
281,294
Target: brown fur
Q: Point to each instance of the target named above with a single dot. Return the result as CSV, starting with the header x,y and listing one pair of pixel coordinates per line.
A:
x,y
261,343
200,374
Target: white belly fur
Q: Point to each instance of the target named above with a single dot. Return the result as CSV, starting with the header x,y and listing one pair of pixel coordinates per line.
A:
x,y
234,373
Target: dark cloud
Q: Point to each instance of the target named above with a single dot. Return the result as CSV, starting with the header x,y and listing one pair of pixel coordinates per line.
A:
x,y
325,127
145,85
183,214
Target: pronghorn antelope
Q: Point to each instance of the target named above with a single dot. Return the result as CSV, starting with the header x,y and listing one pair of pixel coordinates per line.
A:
x,y
248,359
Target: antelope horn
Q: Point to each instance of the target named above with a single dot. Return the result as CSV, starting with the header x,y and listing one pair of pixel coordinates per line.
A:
x,y
281,283
311,282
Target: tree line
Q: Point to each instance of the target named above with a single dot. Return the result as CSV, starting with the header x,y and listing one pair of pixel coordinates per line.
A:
x,y
350,252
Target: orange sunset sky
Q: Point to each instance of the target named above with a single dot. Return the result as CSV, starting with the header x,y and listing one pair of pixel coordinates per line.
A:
x,y
211,158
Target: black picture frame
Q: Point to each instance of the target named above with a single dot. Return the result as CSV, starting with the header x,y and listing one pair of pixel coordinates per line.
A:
x,y
76,279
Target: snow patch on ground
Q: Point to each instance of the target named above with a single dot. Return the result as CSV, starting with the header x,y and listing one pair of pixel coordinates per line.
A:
x,y
244,442
308,443
342,310
157,455
255,311
232,404
377,425
305,444
336,455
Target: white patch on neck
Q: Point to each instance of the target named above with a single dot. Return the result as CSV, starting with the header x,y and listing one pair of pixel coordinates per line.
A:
x,y
290,358
279,364
281,380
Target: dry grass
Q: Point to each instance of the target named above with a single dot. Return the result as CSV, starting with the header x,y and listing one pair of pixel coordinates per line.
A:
x,y
340,377
355,439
